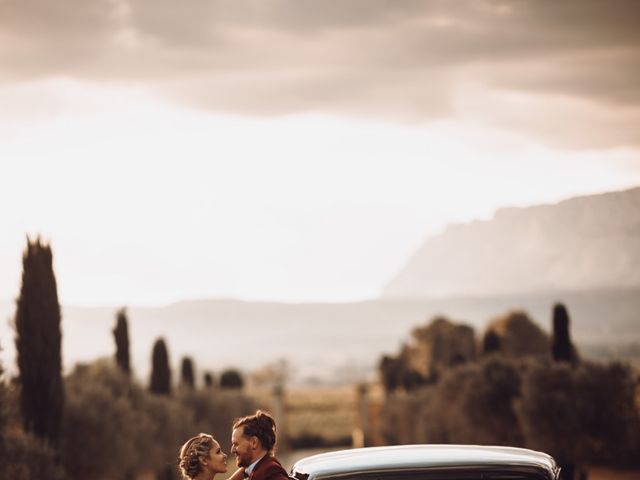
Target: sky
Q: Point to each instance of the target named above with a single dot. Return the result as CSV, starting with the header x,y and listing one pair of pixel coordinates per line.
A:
x,y
295,150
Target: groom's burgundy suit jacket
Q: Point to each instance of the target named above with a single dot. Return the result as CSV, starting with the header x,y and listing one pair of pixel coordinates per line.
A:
x,y
268,468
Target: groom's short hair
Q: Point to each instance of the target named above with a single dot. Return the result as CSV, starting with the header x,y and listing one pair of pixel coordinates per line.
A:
x,y
260,425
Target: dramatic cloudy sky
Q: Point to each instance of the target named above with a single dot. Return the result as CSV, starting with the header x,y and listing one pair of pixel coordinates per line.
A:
x,y
295,149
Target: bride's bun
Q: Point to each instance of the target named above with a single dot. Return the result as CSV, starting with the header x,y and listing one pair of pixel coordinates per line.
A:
x,y
191,452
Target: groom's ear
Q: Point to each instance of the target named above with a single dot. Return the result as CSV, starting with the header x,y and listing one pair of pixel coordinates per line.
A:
x,y
255,442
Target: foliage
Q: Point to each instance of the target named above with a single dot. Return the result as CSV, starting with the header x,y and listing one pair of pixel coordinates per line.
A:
x,y
609,413
473,404
187,377
207,378
587,414
397,374
160,371
582,415
164,427
94,411
26,457
4,406
121,337
440,344
38,339
490,342
434,347
215,413
231,378
4,419
406,418
561,347
22,456
519,336
388,368
114,428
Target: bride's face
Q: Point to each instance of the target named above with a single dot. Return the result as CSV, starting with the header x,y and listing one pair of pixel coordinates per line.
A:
x,y
217,461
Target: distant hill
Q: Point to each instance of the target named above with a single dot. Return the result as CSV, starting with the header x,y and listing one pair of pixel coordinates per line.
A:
x,y
330,342
590,242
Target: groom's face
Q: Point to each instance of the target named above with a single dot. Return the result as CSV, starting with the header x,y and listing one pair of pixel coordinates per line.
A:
x,y
241,447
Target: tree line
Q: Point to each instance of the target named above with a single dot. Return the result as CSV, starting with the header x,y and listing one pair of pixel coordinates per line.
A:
x,y
515,386
98,421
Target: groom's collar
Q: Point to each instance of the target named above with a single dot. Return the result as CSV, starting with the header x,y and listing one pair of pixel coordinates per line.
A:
x,y
249,470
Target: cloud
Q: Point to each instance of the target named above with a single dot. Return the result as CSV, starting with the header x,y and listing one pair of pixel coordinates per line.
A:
x,y
402,60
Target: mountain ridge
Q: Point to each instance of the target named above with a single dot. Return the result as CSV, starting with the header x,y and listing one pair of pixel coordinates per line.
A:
x,y
586,242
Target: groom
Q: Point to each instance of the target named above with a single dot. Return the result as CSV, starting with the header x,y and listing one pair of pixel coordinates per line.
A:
x,y
252,441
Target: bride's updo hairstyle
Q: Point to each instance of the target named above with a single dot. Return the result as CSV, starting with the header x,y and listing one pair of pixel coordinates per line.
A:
x,y
191,452
261,425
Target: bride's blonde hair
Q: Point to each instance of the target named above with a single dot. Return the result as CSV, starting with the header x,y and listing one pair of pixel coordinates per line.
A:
x,y
191,452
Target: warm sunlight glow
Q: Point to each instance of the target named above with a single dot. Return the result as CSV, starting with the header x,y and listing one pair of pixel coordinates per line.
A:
x,y
147,202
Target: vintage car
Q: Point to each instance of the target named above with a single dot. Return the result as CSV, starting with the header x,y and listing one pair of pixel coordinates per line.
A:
x,y
428,462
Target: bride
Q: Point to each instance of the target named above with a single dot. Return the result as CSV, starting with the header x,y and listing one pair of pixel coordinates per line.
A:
x,y
201,458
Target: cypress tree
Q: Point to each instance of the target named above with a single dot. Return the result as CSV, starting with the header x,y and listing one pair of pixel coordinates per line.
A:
x,y
562,348
38,340
390,373
121,336
5,454
208,379
4,411
160,371
187,376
